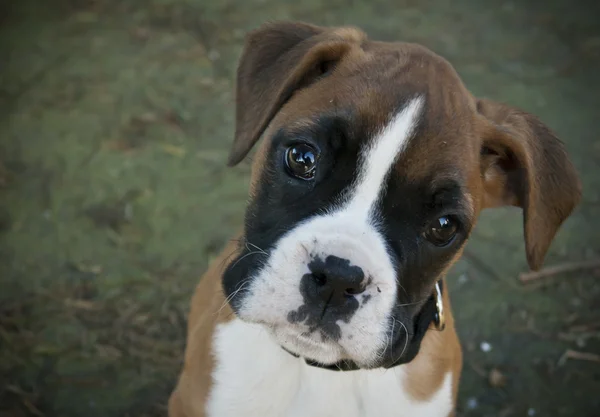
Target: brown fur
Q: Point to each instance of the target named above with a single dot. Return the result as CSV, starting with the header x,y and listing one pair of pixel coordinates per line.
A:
x,y
499,154
208,309
533,167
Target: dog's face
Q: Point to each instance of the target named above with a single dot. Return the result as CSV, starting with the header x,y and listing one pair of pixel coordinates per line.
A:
x,y
375,164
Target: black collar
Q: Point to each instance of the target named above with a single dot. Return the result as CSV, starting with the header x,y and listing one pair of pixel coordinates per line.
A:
x,y
432,311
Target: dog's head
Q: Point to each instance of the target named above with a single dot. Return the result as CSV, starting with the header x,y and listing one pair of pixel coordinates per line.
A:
x,y
375,164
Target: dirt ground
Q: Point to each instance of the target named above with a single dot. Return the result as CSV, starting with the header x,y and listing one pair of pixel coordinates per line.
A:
x,y
115,122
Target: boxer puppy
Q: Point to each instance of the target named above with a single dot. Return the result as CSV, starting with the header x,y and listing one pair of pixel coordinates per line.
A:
x,y
375,164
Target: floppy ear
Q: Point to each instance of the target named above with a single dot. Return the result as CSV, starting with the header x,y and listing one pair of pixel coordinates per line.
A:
x,y
524,164
277,60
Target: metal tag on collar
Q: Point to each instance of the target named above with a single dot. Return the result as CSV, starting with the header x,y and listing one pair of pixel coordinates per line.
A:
x,y
440,318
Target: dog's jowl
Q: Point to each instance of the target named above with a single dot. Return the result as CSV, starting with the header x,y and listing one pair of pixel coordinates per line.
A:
x,y
375,163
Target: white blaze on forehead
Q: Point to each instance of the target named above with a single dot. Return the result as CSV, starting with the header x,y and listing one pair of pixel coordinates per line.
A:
x,y
377,160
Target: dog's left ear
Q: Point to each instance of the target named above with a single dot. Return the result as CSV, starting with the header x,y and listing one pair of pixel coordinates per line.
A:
x,y
524,164
278,59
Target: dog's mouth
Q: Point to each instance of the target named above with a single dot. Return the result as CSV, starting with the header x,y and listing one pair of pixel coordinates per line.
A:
x,y
401,344
311,345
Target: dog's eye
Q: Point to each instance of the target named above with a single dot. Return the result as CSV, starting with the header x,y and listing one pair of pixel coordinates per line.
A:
x,y
442,230
301,161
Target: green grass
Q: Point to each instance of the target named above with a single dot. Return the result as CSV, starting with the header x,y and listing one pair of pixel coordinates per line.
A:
x,y
115,122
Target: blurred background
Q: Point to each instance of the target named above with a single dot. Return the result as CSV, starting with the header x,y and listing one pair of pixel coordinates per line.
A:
x,y
115,121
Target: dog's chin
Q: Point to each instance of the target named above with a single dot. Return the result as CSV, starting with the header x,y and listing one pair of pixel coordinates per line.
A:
x,y
308,345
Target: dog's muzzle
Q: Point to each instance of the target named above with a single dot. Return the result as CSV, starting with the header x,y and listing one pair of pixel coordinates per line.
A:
x,y
431,313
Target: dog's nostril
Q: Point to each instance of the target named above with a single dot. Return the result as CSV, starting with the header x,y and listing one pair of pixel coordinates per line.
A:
x,y
352,291
320,278
334,280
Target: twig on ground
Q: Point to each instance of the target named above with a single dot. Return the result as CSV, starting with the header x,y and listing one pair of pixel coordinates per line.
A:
x,y
573,354
25,399
584,327
559,269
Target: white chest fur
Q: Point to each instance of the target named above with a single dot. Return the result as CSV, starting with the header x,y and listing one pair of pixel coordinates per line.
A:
x,y
254,377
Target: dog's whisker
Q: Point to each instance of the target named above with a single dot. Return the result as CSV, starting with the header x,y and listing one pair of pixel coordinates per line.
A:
x,y
248,243
303,246
227,259
245,256
381,353
391,340
406,341
412,304
230,297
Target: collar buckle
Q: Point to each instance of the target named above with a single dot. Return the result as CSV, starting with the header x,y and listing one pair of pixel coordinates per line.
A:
x,y
439,319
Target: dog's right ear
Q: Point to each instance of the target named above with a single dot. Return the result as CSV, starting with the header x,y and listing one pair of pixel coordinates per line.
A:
x,y
277,60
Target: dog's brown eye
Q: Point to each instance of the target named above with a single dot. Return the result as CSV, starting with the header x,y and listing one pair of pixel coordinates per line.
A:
x,y
301,161
442,230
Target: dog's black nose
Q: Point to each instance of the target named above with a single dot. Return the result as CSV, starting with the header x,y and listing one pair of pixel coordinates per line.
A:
x,y
329,291
335,279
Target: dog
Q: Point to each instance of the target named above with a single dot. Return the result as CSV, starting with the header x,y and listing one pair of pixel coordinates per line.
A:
x,y
375,163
